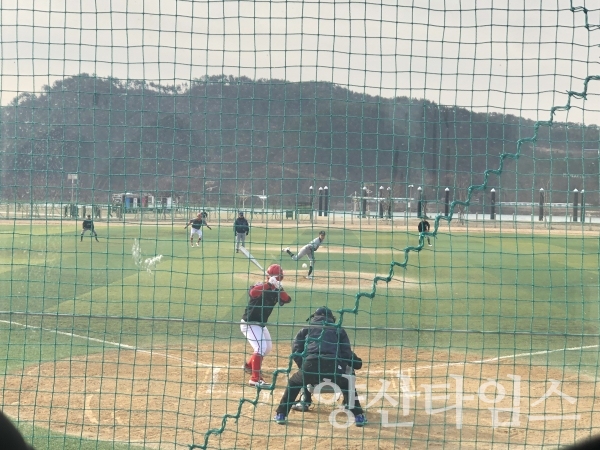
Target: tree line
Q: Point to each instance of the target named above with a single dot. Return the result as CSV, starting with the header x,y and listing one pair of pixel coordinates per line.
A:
x,y
220,135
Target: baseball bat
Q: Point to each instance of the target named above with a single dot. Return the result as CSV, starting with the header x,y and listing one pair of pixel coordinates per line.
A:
x,y
251,258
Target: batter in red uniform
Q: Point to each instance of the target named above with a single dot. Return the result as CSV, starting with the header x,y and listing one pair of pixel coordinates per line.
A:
x,y
263,298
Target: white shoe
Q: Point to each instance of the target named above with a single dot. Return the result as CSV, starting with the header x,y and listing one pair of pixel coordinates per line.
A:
x,y
430,245
260,382
309,277
287,249
197,244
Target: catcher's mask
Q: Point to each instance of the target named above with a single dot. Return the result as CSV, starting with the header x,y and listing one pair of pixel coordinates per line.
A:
x,y
323,311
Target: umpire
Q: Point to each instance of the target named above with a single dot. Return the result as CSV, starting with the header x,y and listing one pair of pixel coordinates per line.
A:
x,y
328,356
241,230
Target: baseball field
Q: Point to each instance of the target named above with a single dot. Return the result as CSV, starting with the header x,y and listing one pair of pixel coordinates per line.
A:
x,y
483,340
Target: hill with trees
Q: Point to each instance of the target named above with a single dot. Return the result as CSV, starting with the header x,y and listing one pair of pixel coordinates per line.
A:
x,y
221,136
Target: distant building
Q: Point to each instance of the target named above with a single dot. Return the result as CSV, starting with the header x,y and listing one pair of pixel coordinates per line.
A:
x,y
133,201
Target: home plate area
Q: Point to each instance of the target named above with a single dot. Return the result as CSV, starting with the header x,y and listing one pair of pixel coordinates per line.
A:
x,y
170,398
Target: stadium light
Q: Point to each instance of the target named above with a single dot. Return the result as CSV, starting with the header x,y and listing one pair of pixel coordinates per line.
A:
x,y
597,162
73,178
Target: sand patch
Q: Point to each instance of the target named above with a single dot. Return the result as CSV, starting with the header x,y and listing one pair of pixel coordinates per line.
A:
x,y
324,250
359,281
170,398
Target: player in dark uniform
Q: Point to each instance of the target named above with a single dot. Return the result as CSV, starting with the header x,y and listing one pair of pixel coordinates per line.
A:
x,y
305,402
88,225
241,230
328,356
263,298
197,225
424,227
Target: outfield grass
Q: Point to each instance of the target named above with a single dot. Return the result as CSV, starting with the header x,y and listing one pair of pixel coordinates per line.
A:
x,y
482,282
516,292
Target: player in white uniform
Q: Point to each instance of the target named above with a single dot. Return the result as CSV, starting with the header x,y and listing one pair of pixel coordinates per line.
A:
x,y
263,297
309,251
197,225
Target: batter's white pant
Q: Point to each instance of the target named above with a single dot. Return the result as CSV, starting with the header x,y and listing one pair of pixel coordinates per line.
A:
x,y
305,251
258,337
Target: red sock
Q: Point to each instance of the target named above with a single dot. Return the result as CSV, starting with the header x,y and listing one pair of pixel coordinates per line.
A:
x,y
256,362
250,361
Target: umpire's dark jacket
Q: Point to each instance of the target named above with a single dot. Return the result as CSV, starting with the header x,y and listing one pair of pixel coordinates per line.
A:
x,y
325,341
241,225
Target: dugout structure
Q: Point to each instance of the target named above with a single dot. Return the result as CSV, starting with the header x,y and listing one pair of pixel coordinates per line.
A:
x,y
488,338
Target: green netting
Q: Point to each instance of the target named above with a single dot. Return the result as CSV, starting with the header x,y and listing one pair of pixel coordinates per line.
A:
x,y
362,119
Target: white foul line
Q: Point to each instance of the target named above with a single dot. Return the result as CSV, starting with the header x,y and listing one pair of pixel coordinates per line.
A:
x,y
199,364
498,358
116,344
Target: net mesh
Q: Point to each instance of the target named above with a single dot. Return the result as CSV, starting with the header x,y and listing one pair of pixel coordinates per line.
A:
x,y
450,153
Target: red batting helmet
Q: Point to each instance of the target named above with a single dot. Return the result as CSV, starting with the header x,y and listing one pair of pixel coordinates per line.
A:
x,y
276,271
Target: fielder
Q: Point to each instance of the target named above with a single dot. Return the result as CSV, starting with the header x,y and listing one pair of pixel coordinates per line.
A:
x,y
263,298
88,225
328,356
241,230
424,227
197,225
309,251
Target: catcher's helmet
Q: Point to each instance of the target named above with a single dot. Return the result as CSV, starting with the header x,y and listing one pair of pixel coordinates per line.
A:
x,y
276,271
324,311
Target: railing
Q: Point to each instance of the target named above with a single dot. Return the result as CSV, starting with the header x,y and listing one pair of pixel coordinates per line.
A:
x,y
114,213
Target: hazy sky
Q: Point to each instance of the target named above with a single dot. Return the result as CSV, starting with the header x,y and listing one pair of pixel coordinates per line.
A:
x,y
507,56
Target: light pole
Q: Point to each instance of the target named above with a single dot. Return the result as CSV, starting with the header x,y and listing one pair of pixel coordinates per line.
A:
x,y
312,203
410,188
73,178
597,167
263,197
389,191
320,201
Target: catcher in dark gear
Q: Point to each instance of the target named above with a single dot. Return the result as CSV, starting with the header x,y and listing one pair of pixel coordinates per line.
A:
x,y
328,356
305,402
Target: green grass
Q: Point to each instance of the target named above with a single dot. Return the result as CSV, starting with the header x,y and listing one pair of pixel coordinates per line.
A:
x,y
479,282
42,438
516,292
